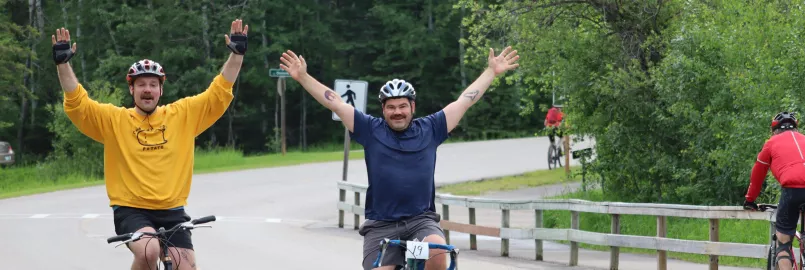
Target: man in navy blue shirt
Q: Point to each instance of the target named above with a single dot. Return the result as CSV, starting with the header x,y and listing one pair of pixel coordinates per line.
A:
x,y
400,155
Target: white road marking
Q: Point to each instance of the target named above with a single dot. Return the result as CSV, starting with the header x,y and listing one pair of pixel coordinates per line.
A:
x,y
90,216
273,220
40,216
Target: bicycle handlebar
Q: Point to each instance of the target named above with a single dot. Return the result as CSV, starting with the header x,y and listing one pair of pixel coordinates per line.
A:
x,y
131,237
402,243
764,207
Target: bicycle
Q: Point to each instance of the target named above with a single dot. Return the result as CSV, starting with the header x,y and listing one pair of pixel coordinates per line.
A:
x,y
555,153
161,236
771,259
414,262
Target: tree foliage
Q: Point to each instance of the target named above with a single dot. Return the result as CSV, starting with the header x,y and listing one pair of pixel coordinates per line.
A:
x,y
363,40
678,94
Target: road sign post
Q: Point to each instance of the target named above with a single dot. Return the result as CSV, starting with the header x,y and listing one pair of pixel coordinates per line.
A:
x,y
354,93
281,74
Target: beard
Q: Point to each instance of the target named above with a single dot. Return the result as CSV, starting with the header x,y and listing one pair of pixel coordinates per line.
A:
x,y
146,102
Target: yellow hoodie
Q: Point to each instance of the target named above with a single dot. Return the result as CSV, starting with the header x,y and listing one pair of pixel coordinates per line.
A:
x,y
148,161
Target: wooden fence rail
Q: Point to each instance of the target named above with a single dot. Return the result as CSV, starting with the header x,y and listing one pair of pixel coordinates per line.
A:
x,y
614,239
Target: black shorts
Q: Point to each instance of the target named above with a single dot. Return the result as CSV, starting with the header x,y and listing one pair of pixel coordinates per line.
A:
x,y
788,209
129,219
417,227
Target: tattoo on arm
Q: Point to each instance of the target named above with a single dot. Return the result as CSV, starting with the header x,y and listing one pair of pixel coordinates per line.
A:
x,y
330,95
471,94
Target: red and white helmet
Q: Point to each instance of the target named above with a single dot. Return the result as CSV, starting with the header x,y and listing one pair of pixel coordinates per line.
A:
x,y
145,67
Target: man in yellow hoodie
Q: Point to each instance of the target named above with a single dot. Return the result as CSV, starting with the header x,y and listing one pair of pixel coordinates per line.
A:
x,y
145,197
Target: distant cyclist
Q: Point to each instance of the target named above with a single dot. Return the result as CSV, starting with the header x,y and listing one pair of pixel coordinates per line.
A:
x,y
553,120
149,149
783,153
400,155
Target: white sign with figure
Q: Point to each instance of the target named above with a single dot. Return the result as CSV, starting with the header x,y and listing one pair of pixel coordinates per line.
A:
x,y
352,92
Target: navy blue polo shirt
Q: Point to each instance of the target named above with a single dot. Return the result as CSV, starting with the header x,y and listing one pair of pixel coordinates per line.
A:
x,y
400,165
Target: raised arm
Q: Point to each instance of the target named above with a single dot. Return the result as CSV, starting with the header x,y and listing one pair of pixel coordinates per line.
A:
x,y
237,44
89,116
297,68
62,53
497,65
204,109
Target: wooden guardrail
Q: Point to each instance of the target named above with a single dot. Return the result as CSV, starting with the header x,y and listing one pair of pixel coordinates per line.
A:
x,y
614,239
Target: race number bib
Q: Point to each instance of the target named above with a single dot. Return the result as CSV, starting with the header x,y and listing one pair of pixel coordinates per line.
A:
x,y
417,250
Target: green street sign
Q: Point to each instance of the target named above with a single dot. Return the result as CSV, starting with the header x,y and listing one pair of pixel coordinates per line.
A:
x,y
278,72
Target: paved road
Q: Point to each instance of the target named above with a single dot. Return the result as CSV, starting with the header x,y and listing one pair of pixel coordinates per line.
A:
x,y
276,218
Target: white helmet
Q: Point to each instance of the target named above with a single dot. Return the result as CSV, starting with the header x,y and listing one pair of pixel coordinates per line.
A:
x,y
396,88
145,67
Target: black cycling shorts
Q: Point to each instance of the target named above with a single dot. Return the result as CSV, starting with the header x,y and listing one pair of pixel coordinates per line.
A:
x,y
129,219
788,209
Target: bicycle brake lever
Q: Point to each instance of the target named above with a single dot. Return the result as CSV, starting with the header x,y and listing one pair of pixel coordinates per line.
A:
x,y
134,237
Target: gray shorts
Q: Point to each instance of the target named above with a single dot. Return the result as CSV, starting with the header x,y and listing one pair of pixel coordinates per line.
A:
x,y
417,227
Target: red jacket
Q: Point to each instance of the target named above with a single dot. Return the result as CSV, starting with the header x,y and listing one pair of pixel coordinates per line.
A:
x,y
553,117
783,153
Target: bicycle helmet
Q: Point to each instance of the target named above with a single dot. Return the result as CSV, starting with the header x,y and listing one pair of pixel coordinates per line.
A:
x,y
145,67
785,121
396,88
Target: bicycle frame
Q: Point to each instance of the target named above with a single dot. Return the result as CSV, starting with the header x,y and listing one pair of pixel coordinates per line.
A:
x,y
554,159
416,264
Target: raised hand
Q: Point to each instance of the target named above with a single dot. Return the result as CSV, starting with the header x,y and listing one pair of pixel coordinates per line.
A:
x,y
504,61
295,66
61,46
238,41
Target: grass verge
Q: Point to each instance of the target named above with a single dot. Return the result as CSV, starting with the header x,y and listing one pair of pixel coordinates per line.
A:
x,y
530,179
27,180
233,160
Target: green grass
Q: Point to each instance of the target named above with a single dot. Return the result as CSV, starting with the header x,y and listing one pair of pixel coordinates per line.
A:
x,y
26,180
736,231
23,181
232,160
530,179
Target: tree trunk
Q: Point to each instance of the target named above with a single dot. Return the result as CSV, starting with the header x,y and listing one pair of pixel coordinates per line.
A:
x,y
64,13
205,39
40,19
430,16
303,119
205,33
461,52
78,38
112,35
264,123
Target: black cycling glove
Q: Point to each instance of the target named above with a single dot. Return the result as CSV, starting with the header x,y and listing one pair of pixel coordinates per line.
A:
x,y
750,205
237,43
62,52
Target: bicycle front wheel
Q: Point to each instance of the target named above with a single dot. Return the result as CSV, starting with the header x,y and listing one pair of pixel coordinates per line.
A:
x,y
771,259
551,158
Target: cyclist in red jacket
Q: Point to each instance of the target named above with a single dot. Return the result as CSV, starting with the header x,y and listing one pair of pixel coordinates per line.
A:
x,y
783,153
553,119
